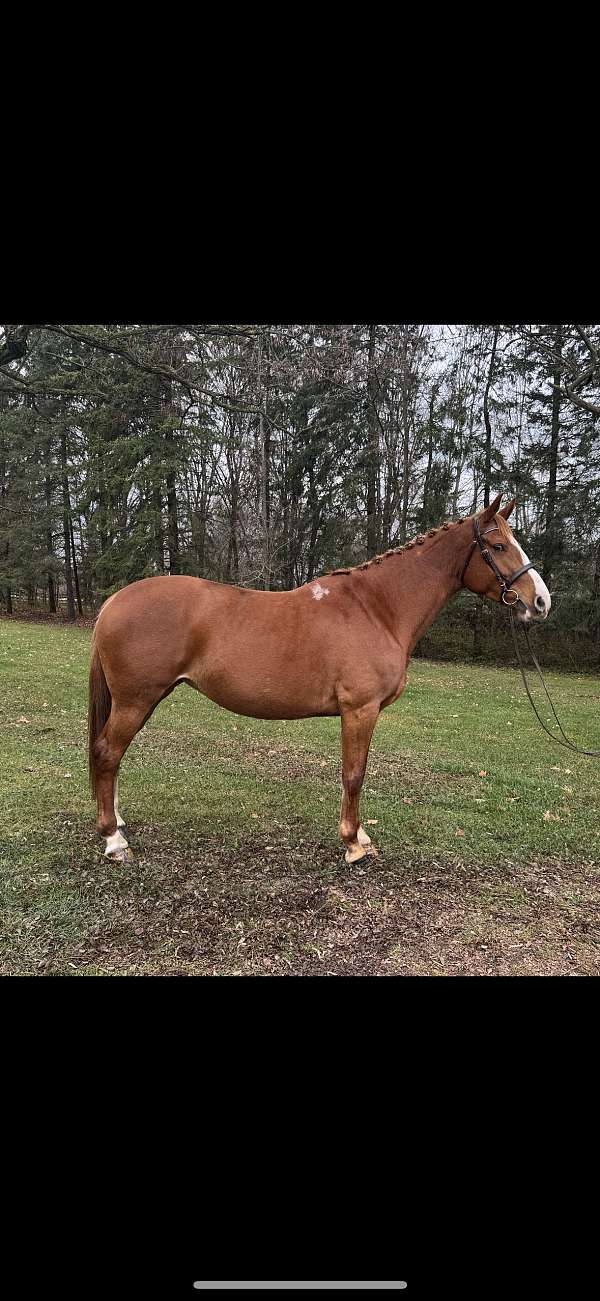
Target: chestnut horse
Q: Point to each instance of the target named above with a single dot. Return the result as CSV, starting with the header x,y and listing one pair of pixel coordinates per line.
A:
x,y
338,645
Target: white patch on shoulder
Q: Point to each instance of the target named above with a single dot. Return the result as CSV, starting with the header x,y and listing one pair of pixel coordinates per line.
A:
x,y
319,592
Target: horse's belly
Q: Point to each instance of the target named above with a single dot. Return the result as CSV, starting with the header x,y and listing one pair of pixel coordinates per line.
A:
x,y
264,695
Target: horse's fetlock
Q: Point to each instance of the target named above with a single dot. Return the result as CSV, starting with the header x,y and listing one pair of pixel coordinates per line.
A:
x,y
106,824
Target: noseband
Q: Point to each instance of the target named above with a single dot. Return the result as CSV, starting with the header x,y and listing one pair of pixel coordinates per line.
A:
x,y
505,583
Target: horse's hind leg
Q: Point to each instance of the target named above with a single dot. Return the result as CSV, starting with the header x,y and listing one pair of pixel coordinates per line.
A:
x,y
357,730
117,734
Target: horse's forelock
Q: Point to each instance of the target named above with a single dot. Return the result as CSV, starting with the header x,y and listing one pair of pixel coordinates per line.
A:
x,y
504,528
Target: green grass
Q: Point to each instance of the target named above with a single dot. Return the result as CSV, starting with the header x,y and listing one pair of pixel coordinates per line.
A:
x,y
197,776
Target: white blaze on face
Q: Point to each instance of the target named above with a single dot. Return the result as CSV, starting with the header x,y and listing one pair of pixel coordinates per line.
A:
x,y
319,592
538,582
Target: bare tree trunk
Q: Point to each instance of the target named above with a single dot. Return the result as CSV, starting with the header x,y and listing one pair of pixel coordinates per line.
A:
x,y
168,411
595,619
550,538
315,520
232,572
405,380
285,510
426,514
102,506
159,541
66,525
488,427
372,459
174,556
265,464
517,469
3,491
49,541
87,595
200,521
460,465
75,574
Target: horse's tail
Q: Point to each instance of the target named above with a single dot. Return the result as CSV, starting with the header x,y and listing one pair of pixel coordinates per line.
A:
x,y
99,706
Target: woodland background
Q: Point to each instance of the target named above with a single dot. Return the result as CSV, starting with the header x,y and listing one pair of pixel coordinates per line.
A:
x,y
264,455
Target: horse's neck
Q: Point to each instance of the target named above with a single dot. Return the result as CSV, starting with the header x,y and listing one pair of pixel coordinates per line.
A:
x,y
414,586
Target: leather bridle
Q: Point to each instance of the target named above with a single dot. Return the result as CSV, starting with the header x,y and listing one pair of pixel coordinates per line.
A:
x,y
507,590
505,583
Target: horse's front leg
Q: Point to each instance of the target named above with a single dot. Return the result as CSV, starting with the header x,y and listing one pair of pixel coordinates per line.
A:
x,y
120,820
357,730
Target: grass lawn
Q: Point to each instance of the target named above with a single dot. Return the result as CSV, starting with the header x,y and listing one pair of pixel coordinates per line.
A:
x,y
489,833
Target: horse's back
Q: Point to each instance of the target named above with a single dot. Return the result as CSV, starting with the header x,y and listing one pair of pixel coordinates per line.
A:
x,y
179,602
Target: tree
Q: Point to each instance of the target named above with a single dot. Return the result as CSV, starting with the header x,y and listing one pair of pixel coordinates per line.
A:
x,y
265,455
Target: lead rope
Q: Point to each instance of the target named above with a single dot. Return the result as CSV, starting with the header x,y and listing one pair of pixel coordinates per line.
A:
x,y
566,742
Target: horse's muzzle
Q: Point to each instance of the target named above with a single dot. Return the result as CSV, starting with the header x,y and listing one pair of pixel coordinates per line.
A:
x,y
535,613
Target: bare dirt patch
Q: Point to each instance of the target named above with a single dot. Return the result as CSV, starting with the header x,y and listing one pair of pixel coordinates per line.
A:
x,y
268,908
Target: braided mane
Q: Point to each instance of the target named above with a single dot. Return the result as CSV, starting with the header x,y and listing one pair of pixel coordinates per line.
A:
x,y
407,546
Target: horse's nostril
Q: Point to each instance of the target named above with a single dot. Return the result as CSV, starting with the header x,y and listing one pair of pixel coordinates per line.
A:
x,y
540,603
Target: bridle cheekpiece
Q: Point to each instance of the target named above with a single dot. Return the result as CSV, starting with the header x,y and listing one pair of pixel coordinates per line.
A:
x,y
507,590
505,583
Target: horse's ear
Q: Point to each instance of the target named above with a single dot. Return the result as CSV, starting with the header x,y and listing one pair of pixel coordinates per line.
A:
x,y
491,510
508,509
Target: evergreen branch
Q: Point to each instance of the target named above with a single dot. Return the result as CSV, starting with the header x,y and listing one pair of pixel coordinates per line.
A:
x,y
15,344
585,405
163,372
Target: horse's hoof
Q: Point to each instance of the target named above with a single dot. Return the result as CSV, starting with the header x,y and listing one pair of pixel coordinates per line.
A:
x,y
366,843
121,855
355,855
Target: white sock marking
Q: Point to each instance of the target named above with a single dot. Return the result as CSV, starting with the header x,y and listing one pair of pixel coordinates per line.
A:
x,y
120,820
117,841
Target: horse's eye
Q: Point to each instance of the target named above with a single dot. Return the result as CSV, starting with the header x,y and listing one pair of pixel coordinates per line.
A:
x,y
498,546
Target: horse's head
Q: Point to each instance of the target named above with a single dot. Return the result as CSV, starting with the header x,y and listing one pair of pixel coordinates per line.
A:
x,y
497,567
